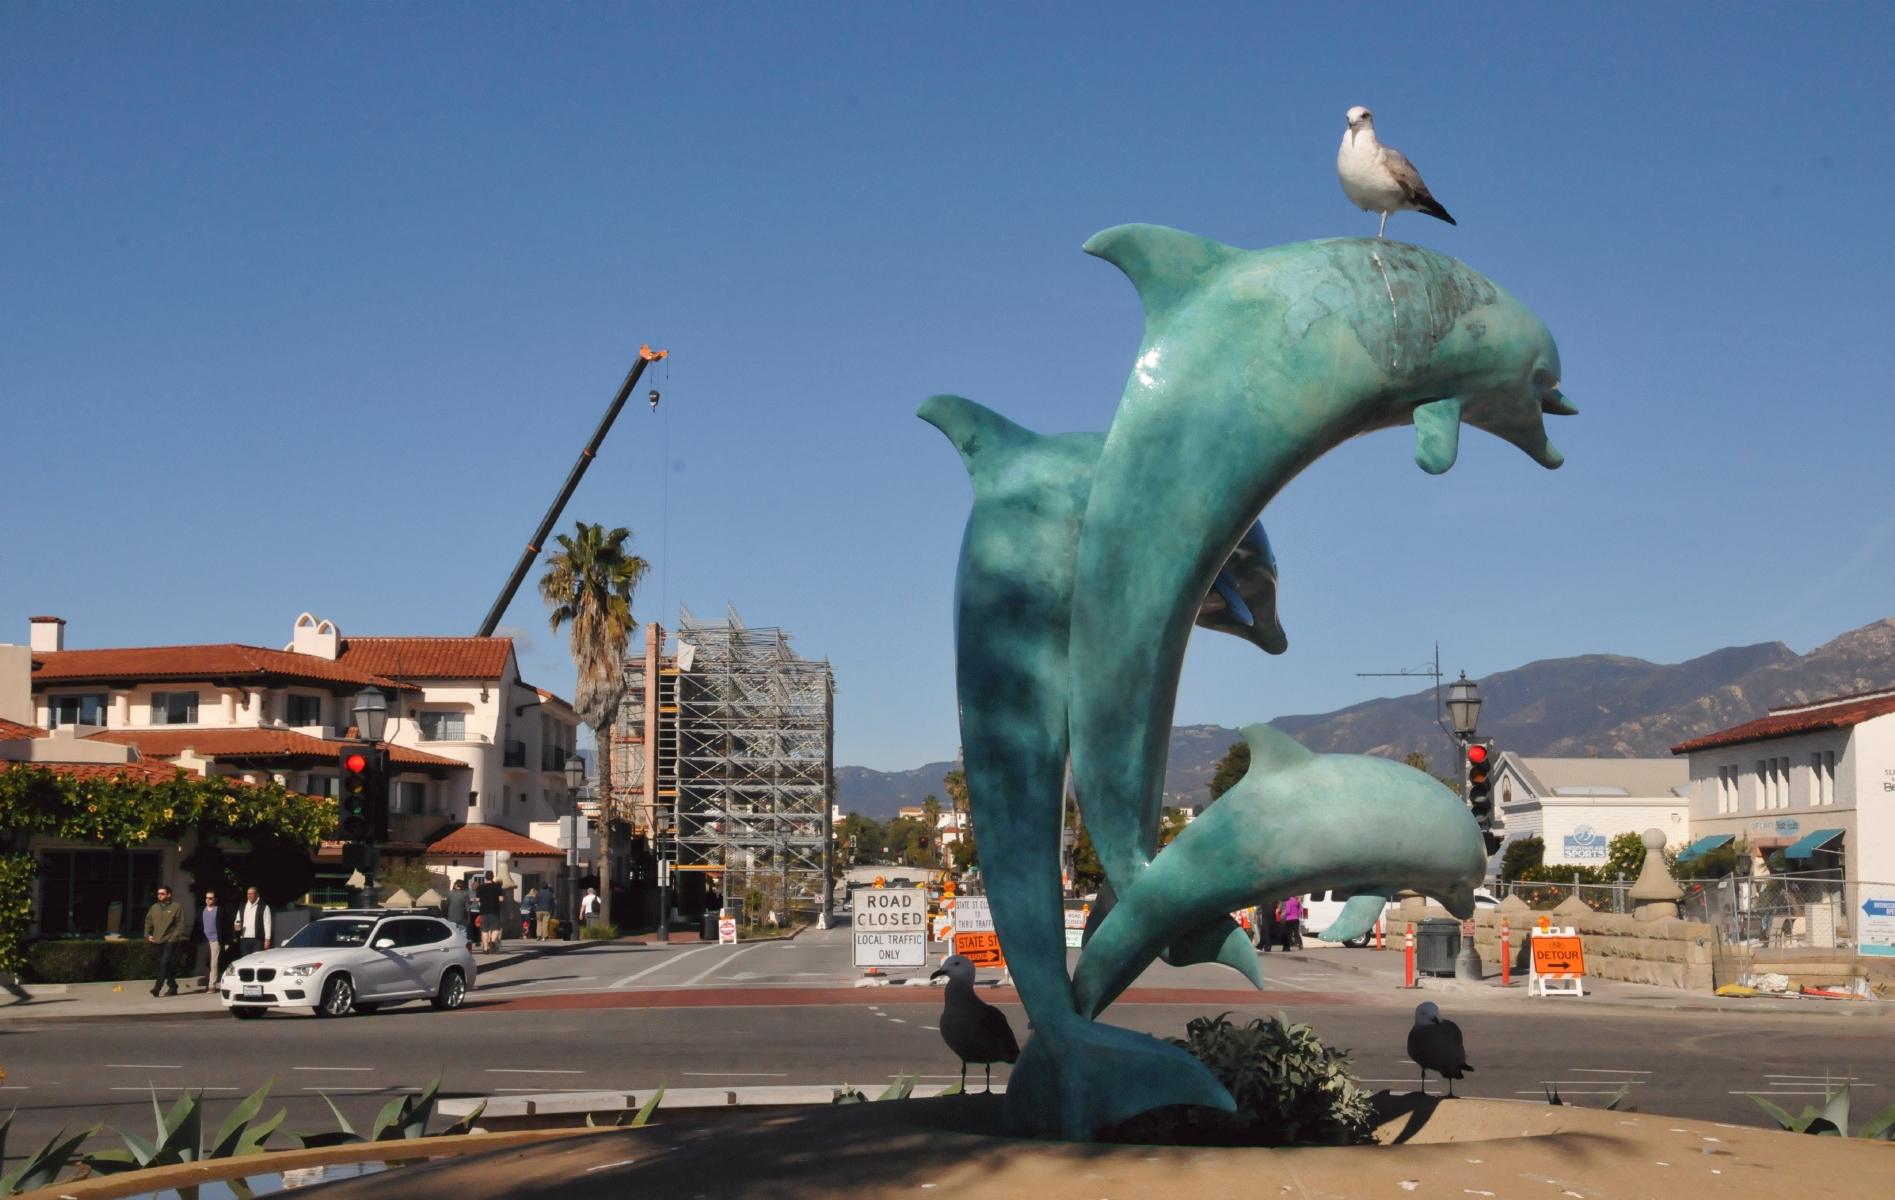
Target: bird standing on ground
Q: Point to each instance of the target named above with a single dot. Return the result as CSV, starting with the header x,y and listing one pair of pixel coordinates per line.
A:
x,y
1435,1045
975,1030
1377,178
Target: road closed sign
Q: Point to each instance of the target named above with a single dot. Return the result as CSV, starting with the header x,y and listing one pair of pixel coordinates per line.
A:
x,y
891,927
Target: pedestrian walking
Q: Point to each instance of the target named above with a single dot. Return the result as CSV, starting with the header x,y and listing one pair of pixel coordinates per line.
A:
x,y
589,907
209,922
1266,927
529,908
1293,923
493,914
457,906
164,927
254,925
543,905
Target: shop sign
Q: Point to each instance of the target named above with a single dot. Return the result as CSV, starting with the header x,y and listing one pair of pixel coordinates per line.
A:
x,y
1877,934
1585,844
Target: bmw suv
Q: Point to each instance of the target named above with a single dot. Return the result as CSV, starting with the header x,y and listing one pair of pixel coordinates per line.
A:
x,y
354,961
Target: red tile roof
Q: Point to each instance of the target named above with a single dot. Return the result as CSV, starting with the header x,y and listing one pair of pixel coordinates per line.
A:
x,y
13,731
138,771
479,839
1839,713
428,657
227,661
251,742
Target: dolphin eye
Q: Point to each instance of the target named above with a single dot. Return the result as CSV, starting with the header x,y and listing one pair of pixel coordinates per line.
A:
x,y
1543,378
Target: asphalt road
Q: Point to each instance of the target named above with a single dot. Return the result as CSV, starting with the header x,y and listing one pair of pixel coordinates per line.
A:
x,y
516,1040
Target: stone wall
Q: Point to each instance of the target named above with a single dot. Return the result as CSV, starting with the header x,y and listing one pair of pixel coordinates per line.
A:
x,y
1666,953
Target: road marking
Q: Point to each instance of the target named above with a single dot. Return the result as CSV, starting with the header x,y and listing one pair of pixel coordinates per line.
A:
x,y
336,1089
661,966
1824,1078
528,1071
1607,1071
935,1028
172,1087
332,1068
723,962
145,1066
623,1162
898,1020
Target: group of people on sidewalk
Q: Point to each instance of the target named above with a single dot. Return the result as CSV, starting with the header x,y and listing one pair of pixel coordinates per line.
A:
x,y
244,929
484,910
1281,925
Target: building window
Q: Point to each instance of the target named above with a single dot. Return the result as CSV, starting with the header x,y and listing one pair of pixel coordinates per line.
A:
x,y
305,711
93,892
1822,773
1773,783
443,726
1729,783
76,710
174,708
405,797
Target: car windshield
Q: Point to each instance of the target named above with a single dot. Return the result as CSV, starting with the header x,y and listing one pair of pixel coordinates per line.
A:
x,y
332,932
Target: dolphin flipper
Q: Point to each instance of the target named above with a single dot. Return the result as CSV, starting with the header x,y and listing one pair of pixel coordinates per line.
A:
x,y
1095,1075
1218,941
1358,915
1437,435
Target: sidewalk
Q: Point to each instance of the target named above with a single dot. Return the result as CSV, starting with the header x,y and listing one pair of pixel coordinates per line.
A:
x,y
131,999
1387,967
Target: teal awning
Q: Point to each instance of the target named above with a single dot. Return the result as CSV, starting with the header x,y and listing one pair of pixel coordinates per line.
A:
x,y
1811,844
1704,845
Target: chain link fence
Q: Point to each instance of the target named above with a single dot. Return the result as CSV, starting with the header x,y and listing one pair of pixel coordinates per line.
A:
x,y
1542,894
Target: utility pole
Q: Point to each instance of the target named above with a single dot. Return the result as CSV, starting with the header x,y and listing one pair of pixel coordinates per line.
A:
x,y
654,643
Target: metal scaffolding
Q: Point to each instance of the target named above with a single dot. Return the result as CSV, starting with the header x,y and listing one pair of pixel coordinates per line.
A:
x,y
744,763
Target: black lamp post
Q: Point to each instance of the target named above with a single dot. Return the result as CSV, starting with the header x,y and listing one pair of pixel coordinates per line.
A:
x,y
1464,706
371,724
575,779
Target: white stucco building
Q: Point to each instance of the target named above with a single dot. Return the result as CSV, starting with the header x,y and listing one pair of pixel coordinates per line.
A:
x,y
1816,781
1578,805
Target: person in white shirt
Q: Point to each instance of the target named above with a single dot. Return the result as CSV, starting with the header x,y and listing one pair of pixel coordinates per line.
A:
x,y
253,925
589,907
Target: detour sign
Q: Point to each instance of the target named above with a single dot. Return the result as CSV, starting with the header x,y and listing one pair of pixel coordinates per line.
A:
x,y
974,935
1558,956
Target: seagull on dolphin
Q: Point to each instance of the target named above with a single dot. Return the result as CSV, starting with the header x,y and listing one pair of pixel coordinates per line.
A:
x,y
1379,178
1435,1045
975,1030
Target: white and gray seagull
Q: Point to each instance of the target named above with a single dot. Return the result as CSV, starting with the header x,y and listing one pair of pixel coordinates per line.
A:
x,y
1378,178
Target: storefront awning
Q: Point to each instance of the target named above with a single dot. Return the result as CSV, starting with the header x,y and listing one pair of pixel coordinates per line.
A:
x,y
1814,842
1704,845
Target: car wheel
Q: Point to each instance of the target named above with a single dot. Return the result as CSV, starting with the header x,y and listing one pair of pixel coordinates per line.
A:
x,y
453,991
1358,943
338,997
365,1007
246,1012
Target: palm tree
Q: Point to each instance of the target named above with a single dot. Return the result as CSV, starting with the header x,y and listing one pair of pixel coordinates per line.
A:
x,y
589,582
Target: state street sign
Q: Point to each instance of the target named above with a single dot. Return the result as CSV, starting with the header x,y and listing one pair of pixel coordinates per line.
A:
x,y
974,935
1877,934
891,927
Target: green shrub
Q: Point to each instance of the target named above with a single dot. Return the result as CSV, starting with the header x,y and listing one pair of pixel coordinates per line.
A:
x,y
599,933
59,961
1289,1088
138,959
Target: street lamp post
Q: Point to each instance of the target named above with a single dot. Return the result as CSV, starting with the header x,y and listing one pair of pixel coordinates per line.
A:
x,y
575,779
371,724
1464,712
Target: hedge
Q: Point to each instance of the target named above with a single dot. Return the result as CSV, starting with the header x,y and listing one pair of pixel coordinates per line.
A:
x,y
62,961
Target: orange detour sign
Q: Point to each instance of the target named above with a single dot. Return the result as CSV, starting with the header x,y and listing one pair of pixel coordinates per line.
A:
x,y
974,936
1559,965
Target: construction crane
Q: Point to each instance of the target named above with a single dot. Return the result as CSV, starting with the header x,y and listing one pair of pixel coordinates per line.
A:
x,y
646,356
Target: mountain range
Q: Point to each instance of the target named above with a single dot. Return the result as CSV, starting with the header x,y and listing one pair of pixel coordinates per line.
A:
x,y
1593,705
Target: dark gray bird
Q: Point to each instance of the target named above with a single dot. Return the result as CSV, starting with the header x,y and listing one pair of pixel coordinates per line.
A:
x,y
1435,1045
975,1030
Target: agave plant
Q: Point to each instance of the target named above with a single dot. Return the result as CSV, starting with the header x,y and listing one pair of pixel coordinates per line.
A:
x,y
641,1117
180,1138
1833,1120
903,1086
43,1166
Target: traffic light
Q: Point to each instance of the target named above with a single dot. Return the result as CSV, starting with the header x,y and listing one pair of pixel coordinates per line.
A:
x,y
364,793
1480,783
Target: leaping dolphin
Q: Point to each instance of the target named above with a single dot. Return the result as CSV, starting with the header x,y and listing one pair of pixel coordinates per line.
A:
x,y
1254,364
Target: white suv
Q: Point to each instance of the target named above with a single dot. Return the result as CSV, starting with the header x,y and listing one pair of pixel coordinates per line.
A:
x,y
354,961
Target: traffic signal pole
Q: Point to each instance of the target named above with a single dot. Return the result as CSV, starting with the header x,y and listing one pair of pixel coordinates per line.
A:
x,y
646,356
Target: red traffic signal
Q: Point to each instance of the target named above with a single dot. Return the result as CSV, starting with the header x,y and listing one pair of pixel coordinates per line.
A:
x,y
355,764
1477,753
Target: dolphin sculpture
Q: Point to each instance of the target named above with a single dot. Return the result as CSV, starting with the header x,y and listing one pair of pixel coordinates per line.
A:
x,y
1297,822
1254,364
1231,396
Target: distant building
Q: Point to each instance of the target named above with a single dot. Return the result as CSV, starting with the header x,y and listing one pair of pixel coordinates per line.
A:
x,y
1815,780
1578,805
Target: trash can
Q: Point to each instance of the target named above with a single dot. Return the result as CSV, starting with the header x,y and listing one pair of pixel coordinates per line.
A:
x,y
1437,943
710,925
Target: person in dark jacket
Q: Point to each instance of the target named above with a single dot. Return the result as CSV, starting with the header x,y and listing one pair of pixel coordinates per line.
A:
x,y
455,907
165,928
493,914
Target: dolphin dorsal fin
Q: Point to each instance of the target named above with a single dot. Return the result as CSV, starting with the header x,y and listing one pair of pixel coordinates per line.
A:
x,y
1165,265
978,432
1271,747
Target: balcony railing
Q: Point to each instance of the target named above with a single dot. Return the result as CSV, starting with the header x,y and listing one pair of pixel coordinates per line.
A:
x,y
515,754
552,758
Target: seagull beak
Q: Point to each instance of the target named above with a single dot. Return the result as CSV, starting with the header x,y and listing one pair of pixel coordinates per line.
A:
x,y
939,973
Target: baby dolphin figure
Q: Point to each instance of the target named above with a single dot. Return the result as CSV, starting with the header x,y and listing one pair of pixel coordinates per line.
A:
x,y
975,1030
1435,1045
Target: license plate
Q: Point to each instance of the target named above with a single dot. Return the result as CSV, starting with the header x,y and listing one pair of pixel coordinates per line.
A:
x,y
253,990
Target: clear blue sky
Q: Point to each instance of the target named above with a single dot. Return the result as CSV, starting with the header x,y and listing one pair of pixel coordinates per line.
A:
x,y
309,306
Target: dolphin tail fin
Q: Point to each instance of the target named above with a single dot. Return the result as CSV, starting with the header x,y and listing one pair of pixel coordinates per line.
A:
x,y
1219,941
1098,1076
1165,265
1358,916
978,432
